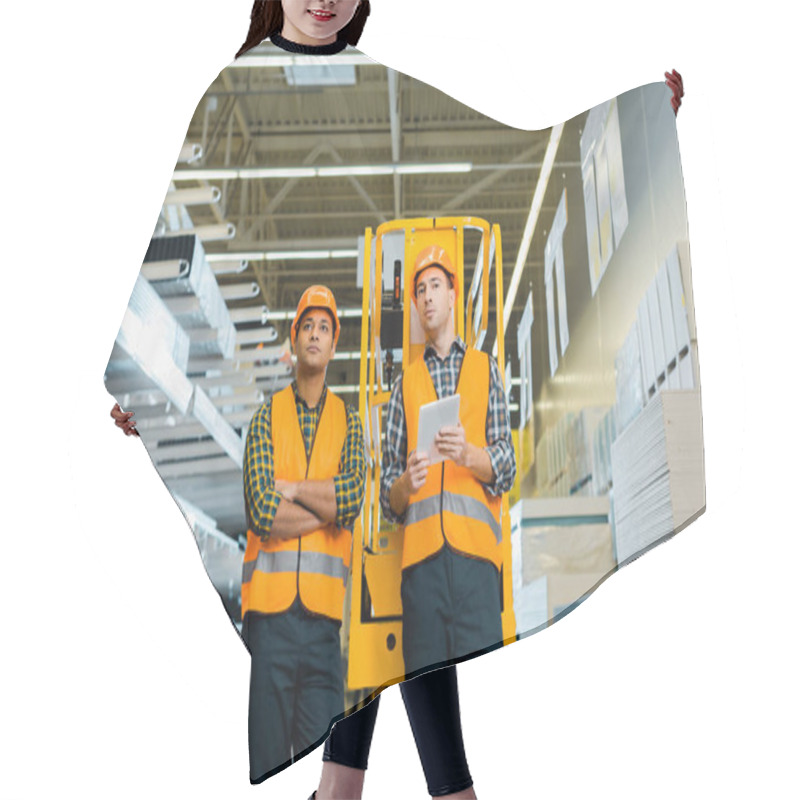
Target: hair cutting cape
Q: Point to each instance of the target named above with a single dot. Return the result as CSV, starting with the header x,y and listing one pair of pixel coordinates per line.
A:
x,y
572,254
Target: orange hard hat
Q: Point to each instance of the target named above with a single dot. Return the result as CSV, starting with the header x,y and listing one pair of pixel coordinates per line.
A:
x,y
433,256
316,297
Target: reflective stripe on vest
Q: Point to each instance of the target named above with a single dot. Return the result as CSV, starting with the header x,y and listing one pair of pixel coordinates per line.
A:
x,y
452,505
458,504
317,564
286,561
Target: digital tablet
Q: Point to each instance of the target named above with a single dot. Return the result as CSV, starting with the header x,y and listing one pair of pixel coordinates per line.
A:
x,y
433,417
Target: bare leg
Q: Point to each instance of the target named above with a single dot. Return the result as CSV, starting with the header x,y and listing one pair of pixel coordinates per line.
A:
x,y
339,782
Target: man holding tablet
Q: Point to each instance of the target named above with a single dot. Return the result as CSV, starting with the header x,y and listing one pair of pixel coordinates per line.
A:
x,y
451,589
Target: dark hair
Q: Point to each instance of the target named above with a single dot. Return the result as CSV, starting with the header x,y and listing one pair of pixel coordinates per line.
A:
x,y
266,18
450,283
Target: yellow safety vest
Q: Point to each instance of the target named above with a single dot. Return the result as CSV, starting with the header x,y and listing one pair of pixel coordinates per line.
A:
x,y
316,565
452,505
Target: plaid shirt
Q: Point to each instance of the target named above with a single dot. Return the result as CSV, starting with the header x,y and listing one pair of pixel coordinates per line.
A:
x,y
261,499
444,374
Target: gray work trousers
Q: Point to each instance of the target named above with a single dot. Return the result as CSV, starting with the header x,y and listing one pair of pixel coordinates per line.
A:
x,y
451,610
296,685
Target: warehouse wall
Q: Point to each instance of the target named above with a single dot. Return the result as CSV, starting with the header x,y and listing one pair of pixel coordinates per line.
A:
x,y
657,220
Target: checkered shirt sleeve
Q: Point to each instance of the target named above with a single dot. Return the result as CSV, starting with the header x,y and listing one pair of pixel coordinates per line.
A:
x,y
500,446
349,483
260,498
393,460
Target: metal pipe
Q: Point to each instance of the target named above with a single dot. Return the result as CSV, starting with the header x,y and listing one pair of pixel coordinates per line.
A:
x,y
231,266
214,233
165,270
190,153
240,316
200,195
239,291
257,335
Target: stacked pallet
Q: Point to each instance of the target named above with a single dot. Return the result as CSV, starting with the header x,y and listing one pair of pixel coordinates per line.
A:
x,y
657,463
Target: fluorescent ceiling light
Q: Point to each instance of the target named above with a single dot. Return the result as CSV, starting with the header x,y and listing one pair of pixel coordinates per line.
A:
x,y
536,206
280,61
338,171
204,174
426,169
287,314
548,162
346,172
298,255
282,255
276,172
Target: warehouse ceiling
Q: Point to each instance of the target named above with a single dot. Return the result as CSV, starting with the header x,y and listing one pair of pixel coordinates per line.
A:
x,y
260,114
260,120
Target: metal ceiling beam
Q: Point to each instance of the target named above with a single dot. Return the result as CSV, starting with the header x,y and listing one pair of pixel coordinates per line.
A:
x,y
290,184
489,180
530,225
329,243
356,184
268,147
440,124
425,166
244,127
394,128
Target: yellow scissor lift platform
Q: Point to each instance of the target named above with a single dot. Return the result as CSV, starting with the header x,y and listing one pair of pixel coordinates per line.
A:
x,y
375,657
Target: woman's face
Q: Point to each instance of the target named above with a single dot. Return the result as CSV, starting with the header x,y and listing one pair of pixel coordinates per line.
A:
x,y
316,22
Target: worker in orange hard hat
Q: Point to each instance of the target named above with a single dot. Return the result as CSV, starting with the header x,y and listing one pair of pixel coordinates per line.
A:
x,y
434,256
320,297
450,586
304,470
450,510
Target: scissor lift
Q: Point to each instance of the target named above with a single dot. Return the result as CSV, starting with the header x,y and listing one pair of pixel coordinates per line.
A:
x,y
389,325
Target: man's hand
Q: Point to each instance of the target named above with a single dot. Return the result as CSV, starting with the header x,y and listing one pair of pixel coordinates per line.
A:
x,y
416,471
451,442
124,420
675,83
288,489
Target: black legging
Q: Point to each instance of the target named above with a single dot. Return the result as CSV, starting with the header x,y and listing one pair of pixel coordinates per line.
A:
x,y
432,706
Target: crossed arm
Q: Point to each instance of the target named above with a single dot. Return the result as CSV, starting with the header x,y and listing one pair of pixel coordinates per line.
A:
x,y
316,498
291,509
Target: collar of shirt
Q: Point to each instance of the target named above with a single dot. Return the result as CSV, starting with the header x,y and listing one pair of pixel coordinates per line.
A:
x,y
458,344
299,399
